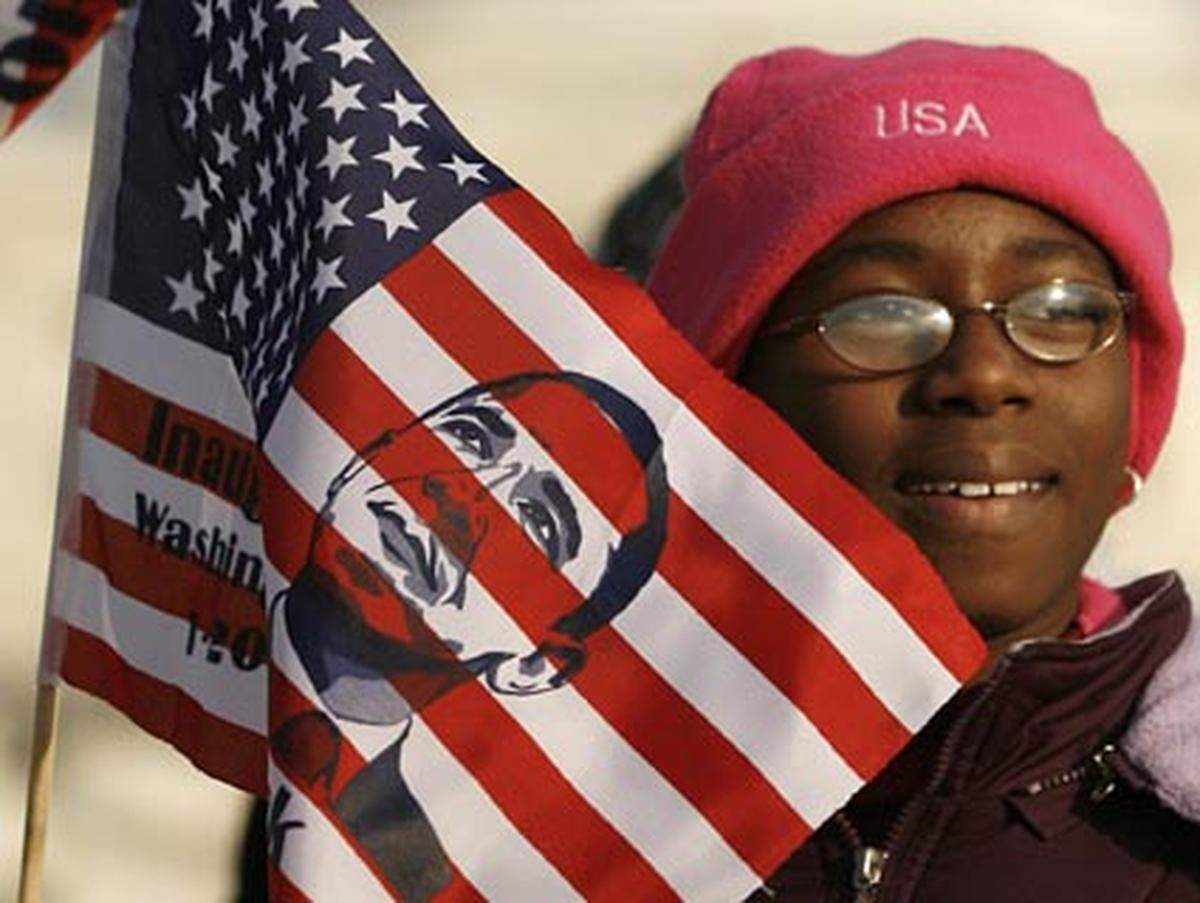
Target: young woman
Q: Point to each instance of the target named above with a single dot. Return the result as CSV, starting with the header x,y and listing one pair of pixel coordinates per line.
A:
x,y
939,266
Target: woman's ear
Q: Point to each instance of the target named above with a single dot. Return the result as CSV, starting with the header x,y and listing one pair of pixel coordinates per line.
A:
x,y
1130,489
546,668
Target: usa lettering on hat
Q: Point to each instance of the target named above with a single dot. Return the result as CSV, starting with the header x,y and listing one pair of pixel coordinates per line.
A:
x,y
929,119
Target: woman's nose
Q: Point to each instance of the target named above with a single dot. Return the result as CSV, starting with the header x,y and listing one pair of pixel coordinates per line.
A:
x,y
980,373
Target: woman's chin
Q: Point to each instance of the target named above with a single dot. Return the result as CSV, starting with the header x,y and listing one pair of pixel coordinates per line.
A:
x,y
1005,618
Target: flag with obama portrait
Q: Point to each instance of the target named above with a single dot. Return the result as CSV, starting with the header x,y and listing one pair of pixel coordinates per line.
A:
x,y
381,500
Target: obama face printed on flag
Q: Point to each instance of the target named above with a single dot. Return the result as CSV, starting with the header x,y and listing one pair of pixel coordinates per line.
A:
x,y
457,547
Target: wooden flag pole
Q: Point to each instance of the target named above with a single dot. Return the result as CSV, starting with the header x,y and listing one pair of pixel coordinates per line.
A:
x,y
37,799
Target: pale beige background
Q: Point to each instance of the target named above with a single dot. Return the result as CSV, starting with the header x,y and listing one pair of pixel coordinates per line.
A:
x,y
574,98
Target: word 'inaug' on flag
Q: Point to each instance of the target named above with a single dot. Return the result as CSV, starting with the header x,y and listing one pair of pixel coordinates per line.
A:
x,y
380,499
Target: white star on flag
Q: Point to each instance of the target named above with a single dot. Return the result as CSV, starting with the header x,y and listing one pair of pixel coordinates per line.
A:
x,y
289,206
223,320
213,178
253,118
260,273
264,389
281,153
464,171
226,147
240,305
247,209
210,89
189,112
212,268
349,48
333,215
406,111
238,56
195,204
276,242
294,56
327,278
337,156
236,237
293,8
187,296
400,158
258,24
395,215
266,181
204,27
342,98
270,86
296,118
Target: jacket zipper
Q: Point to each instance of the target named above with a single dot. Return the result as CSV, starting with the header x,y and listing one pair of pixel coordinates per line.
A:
x,y
1099,767
868,872
870,862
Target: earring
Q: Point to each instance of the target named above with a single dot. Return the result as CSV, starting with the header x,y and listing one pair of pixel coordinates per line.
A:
x,y
1136,481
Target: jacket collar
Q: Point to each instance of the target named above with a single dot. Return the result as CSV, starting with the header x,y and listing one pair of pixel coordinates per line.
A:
x,y
1163,737
1050,704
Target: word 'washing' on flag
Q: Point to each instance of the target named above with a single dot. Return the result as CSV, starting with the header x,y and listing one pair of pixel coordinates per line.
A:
x,y
381,500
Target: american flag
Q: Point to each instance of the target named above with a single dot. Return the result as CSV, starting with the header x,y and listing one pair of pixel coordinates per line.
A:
x,y
382,500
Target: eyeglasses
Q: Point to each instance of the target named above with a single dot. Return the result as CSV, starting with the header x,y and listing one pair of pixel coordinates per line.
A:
x,y
887,332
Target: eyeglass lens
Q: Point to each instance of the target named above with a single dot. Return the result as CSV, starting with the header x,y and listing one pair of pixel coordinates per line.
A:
x,y
1063,321
1057,322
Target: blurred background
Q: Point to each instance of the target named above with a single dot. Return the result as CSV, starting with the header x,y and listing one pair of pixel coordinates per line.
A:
x,y
577,100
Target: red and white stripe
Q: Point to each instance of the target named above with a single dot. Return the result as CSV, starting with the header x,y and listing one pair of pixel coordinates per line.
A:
x,y
163,363
150,641
124,605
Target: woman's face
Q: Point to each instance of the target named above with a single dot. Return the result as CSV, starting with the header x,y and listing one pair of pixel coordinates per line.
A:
x,y
982,412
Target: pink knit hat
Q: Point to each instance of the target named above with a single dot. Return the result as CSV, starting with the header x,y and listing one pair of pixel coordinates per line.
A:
x,y
795,145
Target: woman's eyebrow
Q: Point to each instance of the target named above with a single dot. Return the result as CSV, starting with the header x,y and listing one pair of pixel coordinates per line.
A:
x,y
489,418
887,250
1041,248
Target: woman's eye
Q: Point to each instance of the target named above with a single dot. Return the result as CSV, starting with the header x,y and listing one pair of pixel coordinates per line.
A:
x,y
537,520
471,437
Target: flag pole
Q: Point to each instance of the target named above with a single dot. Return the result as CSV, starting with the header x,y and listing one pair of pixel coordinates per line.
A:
x,y
37,798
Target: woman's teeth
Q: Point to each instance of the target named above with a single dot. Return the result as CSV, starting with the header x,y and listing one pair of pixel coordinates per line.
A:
x,y
973,490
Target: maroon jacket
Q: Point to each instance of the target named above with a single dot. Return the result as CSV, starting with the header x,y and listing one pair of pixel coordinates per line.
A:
x,y
1071,773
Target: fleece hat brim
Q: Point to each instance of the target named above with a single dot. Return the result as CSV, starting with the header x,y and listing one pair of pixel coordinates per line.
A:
x,y
796,145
